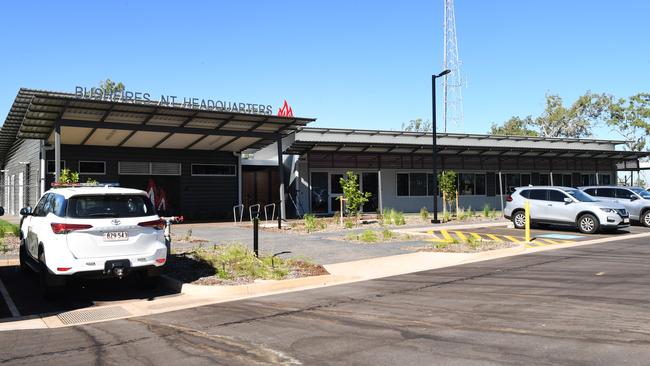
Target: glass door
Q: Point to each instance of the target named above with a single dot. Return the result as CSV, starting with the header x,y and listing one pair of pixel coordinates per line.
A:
x,y
370,183
335,191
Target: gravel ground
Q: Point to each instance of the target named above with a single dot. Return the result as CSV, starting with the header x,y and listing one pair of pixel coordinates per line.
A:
x,y
10,245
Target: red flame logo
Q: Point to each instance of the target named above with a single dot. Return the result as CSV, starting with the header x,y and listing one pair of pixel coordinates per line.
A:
x,y
286,110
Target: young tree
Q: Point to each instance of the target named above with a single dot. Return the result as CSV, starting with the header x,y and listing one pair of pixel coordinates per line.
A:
x,y
354,198
515,126
417,125
448,185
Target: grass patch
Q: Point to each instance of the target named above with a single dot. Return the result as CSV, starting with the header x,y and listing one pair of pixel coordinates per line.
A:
x,y
8,228
313,224
368,236
236,262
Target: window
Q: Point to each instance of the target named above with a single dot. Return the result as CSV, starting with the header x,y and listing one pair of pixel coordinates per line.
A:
x,y
605,180
92,167
418,184
591,192
605,192
465,184
402,184
335,183
556,196
566,180
525,180
39,210
147,168
544,180
94,206
430,188
512,181
538,194
51,165
319,192
525,193
214,170
623,194
479,189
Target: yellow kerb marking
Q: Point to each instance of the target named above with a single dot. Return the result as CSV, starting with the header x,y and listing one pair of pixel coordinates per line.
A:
x,y
446,235
476,236
494,237
549,241
460,235
512,239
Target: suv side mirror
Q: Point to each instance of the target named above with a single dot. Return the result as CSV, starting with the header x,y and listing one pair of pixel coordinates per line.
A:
x,y
25,211
633,197
568,200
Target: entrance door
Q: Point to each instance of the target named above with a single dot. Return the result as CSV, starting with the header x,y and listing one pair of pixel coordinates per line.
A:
x,y
335,191
319,192
370,183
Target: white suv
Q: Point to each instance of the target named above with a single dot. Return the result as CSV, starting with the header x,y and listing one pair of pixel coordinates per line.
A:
x,y
91,232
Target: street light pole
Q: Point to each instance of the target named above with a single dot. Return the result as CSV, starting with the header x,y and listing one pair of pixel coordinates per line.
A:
x,y
435,145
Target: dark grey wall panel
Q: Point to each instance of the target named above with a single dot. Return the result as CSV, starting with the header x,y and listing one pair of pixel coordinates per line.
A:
x,y
200,197
22,152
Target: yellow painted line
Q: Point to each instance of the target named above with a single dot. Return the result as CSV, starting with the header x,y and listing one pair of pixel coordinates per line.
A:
x,y
512,239
494,237
547,241
460,235
446,235
476,236
430,232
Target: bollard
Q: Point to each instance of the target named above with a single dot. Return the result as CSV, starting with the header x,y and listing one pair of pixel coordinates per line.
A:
x,y
255,236
527,214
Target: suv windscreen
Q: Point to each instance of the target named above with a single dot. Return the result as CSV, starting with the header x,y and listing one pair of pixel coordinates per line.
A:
x,y
109,205
580,195
641,192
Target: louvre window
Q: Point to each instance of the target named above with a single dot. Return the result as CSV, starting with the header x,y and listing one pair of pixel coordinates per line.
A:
x,y
147,168
92,167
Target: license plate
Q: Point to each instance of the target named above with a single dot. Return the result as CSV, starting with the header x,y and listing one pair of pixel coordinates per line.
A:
x,y
116,236
626,221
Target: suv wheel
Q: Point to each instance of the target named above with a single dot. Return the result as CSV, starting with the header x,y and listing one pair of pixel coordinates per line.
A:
x,y
519,219
51,285
588,224
645,219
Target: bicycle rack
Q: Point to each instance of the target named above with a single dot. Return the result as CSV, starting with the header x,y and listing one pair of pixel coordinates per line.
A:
x,y
266,216
257,212
241,212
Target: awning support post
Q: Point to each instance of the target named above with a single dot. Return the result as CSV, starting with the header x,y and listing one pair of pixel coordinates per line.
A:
x,y
282,214
57,151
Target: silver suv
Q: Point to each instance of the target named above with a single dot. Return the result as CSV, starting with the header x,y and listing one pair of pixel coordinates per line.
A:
x,y
564,206
635,199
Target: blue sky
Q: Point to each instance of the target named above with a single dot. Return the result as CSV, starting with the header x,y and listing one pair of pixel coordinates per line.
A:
x,y
363,64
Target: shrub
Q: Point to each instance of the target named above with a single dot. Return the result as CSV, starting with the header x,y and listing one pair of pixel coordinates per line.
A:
x,y
349,224
354,198
486,211
470,212
351,236
368,236
398,218
461,215
387,234
424,213
310,222
446,216
493,213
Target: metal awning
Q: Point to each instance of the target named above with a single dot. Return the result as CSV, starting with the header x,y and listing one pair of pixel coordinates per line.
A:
x,y
143,124
301,147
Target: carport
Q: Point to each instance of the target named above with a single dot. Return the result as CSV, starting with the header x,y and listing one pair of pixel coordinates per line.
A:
x,y
69,119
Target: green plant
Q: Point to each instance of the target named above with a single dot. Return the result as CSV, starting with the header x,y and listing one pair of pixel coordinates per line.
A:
x,y
486,211
368,236
310,222
493,213
398,218
470,212
472,242
68,176
351,236
447,183
91,181
349,224
441,245
387,234
188,235
424,213
354,198
236,261
3,246
446,216
461,214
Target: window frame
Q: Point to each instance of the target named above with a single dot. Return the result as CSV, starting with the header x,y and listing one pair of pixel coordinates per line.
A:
x,y
47,166
91,161
213,175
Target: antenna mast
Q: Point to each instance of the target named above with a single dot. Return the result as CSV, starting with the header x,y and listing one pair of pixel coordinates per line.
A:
x,y
453,99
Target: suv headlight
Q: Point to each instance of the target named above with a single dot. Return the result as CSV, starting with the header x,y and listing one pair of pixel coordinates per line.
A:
x,y
608,210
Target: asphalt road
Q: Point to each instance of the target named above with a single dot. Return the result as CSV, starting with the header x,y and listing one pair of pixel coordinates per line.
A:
x,y
584,305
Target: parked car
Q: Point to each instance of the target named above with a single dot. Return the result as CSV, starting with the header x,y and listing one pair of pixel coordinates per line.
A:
x,y
565,206
91,232
635,199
